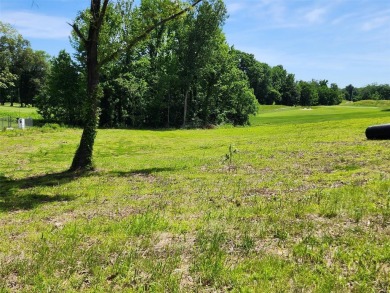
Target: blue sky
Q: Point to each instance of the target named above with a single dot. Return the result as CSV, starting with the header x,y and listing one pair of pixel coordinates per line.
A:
x,y
343,41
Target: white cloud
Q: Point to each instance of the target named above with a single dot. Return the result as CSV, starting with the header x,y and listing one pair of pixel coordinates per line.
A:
x,y
40,26
375,23
316,15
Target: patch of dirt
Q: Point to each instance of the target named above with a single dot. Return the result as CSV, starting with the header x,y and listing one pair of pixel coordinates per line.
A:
x,y
262,192
271,246
12,281
185,242
113,213
337,227
165,239
144,177
249,169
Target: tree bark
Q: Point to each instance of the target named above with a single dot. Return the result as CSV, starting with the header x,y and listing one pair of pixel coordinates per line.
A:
x,y
82,160
185,108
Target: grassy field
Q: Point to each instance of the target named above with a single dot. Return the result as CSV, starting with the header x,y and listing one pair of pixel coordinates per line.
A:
x,y
298,202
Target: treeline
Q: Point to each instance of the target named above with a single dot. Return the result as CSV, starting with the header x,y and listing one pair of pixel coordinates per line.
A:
x,y
183,75
369,92
23,71
274,85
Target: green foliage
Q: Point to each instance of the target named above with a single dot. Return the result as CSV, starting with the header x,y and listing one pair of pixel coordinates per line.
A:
x,y
22,70
308,94
184,73
369,92
63,97
236,99
289,90
230,154
259,74
273,85
273,97
124,102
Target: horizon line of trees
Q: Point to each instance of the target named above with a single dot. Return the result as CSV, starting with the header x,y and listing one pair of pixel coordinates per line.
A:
x,y
184,75
274,85
370,92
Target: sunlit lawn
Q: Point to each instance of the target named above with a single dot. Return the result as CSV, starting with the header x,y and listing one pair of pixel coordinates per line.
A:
x,y
302,203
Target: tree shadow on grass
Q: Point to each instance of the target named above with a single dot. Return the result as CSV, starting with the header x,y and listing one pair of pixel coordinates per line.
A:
x,y
146,171
13,198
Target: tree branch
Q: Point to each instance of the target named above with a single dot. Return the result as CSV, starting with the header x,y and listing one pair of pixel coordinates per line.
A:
x,y
78,33
147,31
102,14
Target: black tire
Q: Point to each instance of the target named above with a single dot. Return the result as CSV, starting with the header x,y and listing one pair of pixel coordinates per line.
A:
x,y
378,132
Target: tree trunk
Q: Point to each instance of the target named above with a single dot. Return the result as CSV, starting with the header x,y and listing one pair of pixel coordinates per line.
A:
x,y
82,160
206,108
169,111
83,157
185,108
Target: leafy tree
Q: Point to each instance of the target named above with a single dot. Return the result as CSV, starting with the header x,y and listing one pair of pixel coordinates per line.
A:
x,y
335,95
200,29
290,94
150,18
22,70
278,77
159,65
323,92
308,93
220,62
273,96
35,67
7,78
259,74
350,91
224,94
62,99
236,97
12,46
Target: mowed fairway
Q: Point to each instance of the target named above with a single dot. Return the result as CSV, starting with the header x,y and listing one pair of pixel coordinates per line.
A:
x,y
299,201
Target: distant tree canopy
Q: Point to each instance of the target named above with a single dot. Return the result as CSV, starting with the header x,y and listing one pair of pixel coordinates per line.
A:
x,y
369,92
22,70
183,74
274,85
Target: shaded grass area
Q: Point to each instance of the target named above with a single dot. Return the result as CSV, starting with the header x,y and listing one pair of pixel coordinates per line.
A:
x,y
11,200
302,205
